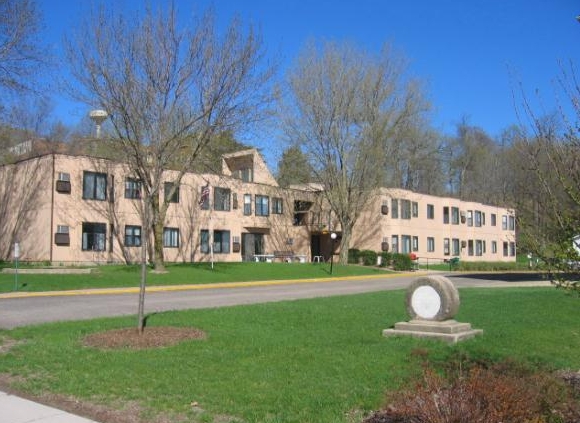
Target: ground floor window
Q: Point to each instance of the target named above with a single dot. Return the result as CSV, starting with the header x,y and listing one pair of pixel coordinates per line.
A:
x,y
430,244
455,246
94,236
132,236
405,244
171,237
494,246
221,242
446,246
395,243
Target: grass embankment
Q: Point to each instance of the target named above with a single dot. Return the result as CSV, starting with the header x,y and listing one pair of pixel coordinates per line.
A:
x,y
112,276
319,360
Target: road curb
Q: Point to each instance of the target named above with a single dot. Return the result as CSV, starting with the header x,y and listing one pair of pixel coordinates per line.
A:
x,y
192,287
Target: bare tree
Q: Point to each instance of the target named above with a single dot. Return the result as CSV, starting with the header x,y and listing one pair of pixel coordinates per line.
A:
x,y
345,109
169,93
20,50
549,152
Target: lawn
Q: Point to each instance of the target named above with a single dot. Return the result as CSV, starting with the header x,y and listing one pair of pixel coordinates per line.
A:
x,y
319,360
115,276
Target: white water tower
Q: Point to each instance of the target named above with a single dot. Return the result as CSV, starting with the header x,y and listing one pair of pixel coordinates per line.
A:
x,y
98,116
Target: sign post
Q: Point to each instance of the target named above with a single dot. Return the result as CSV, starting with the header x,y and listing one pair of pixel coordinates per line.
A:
x,y
16,256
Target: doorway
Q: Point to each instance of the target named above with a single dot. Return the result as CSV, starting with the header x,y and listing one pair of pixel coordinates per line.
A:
x,y
252,244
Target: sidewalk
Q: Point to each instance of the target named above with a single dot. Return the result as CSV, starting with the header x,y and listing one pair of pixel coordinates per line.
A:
x,y
19,410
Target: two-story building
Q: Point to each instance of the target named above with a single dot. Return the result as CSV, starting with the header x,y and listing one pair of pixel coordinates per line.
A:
x,y
67,209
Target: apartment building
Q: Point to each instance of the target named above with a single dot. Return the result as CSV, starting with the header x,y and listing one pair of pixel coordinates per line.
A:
x,y
68,209
436,228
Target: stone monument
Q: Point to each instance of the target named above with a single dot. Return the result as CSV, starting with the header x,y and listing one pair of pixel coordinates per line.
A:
x,y
432,303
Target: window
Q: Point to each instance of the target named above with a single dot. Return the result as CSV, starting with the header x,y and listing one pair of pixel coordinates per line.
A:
x,y
171,237
478,247
204,197
493,219
477,218
446,246
277,206
94,186
483,218
132,188
504,222
469,217
262,205
405,244
455,246
505,249
247,204
167,188
221,199
246,175
430,244
445,215
394,208
415,243
430,211
395,243
470,247
221,242
415,209
494,247
405,209
234,201
132,236
455,215
512,223
94,236
512,249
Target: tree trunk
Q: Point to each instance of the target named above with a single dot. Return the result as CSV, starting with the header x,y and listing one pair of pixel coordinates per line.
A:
x,y
345,244
158,220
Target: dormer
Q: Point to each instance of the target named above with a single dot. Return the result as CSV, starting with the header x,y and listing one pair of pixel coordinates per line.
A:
x,y
248,166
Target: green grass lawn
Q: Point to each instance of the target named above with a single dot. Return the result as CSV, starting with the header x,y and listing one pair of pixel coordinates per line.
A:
x,y
319,360
115,276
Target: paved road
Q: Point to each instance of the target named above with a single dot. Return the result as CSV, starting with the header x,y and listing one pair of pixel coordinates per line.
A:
x,y
27,310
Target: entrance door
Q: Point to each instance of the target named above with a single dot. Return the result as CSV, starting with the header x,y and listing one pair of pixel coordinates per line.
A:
x,y
252,244
315,246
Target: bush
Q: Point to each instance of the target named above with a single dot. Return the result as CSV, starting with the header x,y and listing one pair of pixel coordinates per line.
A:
x,y
386,259
353,255
401,262
369,257
480,394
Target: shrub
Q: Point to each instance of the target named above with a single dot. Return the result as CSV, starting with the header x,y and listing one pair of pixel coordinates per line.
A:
x,y
385,259
481,395
401,262
353,255
369,257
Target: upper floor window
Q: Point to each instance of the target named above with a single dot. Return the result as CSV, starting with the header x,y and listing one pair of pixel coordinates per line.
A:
x,y
246,175
445,214
512,223
430,211
405,209
247,204
477,218
221,199
132,188
394,208
493,219
262,205
504,222
169,196
94,186
277,206
415,209
455,215
469,217
63,182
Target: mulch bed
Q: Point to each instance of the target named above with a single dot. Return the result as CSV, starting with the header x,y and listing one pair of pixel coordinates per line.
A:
x,y
152,337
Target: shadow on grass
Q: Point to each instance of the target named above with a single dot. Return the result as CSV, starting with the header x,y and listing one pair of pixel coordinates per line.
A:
x,y
504,276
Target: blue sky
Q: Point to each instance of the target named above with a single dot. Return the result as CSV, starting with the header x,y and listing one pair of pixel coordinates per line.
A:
x,y
470,53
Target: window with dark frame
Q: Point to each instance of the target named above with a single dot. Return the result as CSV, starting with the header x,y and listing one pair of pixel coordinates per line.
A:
x,y
132,236
132,188
171,237
262,205
455,215
415,209
394,208
405,209
445,215
221,199
221,242
430,244
446,246
169,197
247,204
94,236
430,211
277,205
94,186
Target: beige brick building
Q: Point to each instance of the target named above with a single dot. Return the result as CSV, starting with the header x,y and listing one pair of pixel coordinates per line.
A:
x,y
75,209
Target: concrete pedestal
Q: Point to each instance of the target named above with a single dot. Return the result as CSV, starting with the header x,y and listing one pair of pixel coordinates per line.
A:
x,y
447,330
